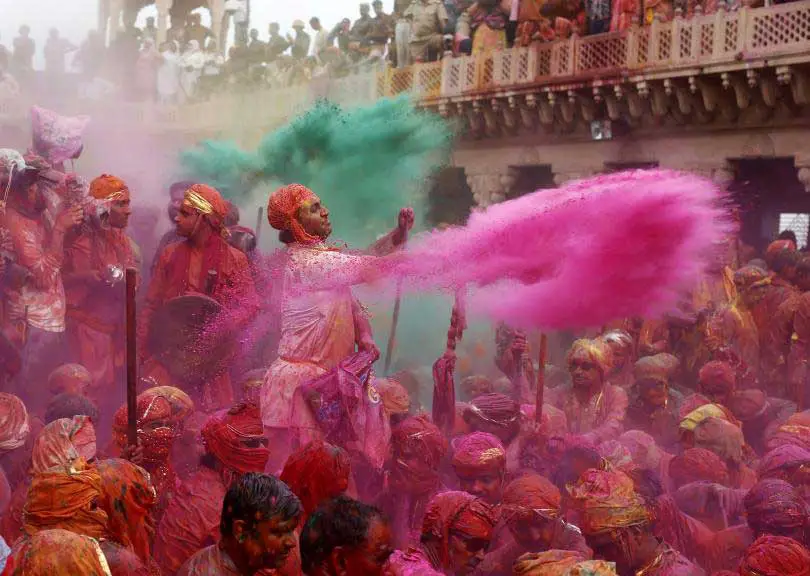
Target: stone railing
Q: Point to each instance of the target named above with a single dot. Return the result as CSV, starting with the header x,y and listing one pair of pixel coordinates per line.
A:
x,y
772,36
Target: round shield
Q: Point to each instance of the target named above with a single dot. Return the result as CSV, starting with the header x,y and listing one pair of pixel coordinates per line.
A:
x,y
183,336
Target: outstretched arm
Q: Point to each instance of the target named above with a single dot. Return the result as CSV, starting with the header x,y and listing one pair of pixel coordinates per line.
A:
x,y
397,237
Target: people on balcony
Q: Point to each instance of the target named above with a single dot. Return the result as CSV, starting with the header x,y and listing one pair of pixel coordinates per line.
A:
x,y
482,27
428,20
300,42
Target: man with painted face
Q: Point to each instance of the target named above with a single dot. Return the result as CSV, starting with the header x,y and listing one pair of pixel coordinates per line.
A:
x,y
320,326
655,405
257,529
95,260
479,461
203,263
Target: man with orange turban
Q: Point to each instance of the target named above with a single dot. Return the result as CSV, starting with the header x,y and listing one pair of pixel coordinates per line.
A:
x,y
204,263
617,526
594,408
321,328
95,259
479,460
235,445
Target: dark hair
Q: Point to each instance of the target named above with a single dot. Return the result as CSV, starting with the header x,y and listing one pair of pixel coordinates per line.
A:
x,y
572,459
255,498
341,521
788,235
286,237
68,405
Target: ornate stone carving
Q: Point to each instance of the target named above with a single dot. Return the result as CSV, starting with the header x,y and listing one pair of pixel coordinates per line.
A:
x,y
490,187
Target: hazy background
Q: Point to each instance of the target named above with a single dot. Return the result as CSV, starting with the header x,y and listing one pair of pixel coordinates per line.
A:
x,y
74,18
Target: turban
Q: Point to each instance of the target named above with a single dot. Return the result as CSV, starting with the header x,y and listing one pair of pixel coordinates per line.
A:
x,y
597,352
750,277
548,563
694,418
235,437
716,376
698,465
593,568
283,207
643,449
457,512
395,398
161,403
617,454
421,433
410,563
778,246
619,338
62,442
497,409
792,434
58,553
656,368
478,453
721,437
109,188
69,378
316,473
128,498
773,506
208,201
748,404
14,427
782,461
607,500
532,493
775,556
66,499
800,418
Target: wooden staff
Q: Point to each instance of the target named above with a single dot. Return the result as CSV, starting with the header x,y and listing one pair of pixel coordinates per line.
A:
x,y
541,377
259,221
132,359
392,335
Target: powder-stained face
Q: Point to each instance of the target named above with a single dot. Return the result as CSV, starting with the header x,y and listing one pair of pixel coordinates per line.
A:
x,y
314,218
369,558
186,220
270,544
485,485
584,371
119,213
467,547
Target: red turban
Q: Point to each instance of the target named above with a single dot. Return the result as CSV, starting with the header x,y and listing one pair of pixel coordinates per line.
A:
x,y
457,512
497,409
282,210
107,187
206,200
317,472
790,433
235,437
14,427
607,500
478,453
773,506
716,376
698,465
532,492
775,556
424,435
69,378
778,246
782,461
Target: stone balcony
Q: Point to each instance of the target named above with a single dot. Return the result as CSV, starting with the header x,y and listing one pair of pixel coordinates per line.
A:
x,y
744,66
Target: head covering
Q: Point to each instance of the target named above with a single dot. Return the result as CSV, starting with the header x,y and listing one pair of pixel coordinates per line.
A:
x,y
395,398
750,277
63,442
593,568
69,378
607,500
655,368
617,455
458,512
69,499
790,433
316,473
716,376
531,493
282,210
694,418
774,506
775,556
128,498
643,449
14,426
478,453
298,24
782,461
409,563
778,246
235,437
58,553
721,437
11,163
618,338
57,138
698,465
417,435
497,409
548,563
596,350
748,404
207,201
109,188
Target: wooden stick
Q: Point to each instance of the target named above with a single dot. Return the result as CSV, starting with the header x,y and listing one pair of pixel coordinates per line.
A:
x,y
541,377
259,222
392,335
132,359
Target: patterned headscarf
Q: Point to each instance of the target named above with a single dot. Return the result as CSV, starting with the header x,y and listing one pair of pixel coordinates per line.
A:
x,y
775,556
696,465
128,497
62,442
693,419
750,278
236,438
478,453
596,350
315,473
607,500
57,553
773,506
282,210
14,427
458,512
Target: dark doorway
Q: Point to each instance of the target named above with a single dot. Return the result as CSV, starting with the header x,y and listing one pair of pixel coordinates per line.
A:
x,y
769,196
611,167
530,178
450,199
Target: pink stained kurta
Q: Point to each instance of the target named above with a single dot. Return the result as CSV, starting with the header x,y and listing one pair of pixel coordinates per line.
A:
x,y
317,332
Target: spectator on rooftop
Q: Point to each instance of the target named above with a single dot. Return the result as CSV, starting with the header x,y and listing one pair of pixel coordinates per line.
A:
x,y
196,31
428,21
341,34
56,48
150,30
320,42
22,59
256,49
300,43
381,30
277,44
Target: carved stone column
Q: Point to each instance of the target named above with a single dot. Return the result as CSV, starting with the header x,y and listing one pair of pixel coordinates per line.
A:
x,y
163,7
490,186
116,9
803,171
217,8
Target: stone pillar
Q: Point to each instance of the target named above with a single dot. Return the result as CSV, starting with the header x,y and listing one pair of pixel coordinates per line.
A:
x,y
116,10
217,9
489,185
163,7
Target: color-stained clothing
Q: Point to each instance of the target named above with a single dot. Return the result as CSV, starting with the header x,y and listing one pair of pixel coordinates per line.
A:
x,y
669,562
660,422
601,418
57,553
95,313
211,561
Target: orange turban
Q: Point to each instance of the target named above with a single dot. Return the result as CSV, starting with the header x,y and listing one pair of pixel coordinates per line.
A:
x,y
207,201
107,187
62,442
282,210
607,500
478,453
14,427
778,246
530,493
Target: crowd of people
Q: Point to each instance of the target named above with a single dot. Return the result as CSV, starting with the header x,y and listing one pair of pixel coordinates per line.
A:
x,y
193,64
661,447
